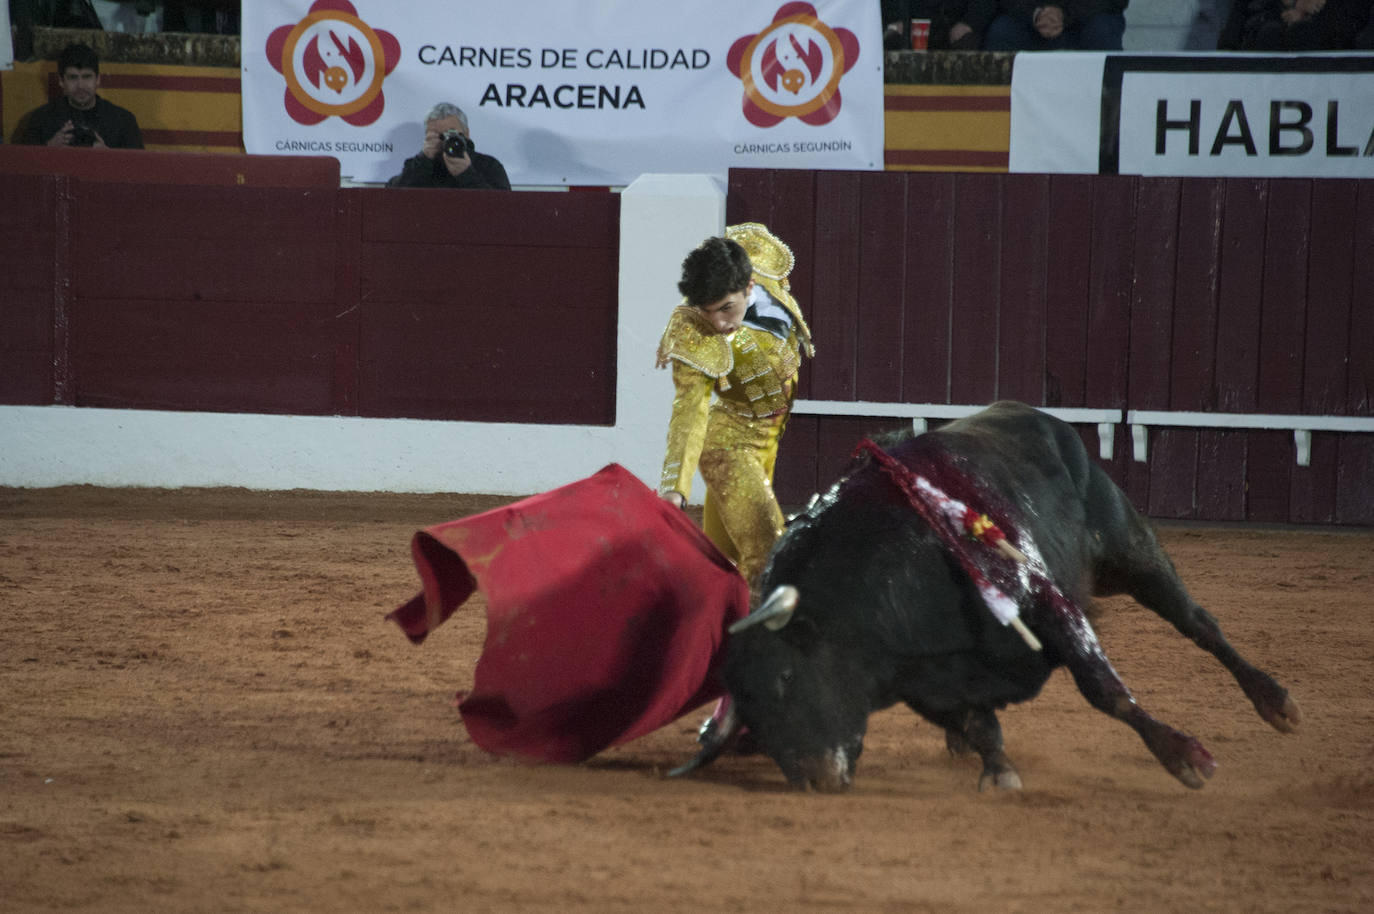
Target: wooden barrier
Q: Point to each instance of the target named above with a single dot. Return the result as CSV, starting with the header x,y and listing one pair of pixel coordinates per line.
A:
x,y
305,300
1075,291
1152,300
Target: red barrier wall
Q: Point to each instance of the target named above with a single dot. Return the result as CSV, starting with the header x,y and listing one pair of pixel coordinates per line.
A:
x,y
308,300
1244,296
1225,295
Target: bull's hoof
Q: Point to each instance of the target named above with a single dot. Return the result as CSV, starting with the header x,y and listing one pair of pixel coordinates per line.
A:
x,y
1284,719
1193,765
1001,780
1271,700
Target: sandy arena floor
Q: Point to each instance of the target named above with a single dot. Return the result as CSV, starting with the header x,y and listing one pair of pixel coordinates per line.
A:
x,y
202,709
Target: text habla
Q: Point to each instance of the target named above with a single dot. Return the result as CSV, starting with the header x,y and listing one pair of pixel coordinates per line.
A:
x,y
1291,129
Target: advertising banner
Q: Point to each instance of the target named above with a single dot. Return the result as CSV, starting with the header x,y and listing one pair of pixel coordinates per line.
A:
x,y
1237,115
591,92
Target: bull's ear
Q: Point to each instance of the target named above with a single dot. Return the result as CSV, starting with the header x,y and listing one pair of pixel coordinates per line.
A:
x,y
774,613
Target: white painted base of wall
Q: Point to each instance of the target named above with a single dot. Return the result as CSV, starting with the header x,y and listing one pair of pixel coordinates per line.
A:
x,y
662,218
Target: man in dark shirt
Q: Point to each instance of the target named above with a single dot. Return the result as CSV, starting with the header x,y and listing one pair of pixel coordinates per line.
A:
x,y
446,131
80,117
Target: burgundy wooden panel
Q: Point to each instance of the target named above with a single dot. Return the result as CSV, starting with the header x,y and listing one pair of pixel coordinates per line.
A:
x,y
466,343
794,476
930,288
835,284
27,232
1312,499
1239,295
836,438
1359,396
1282,315
246,356
1066,330
1221,475
749,193
1172,474
420,365
973,318
1355,460
26,378
476,279
1192,361
1152,297
1268,476
881,283
490,217
28,239
1109,290
345,390
147,166
1021,311
1355,480
1326,354
1151,308
230,244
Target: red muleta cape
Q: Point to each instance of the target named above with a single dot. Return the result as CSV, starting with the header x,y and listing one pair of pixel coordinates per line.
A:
x,y
606,609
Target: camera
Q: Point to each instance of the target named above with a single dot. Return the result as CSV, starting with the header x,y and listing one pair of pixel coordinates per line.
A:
x,y
82,135
456,144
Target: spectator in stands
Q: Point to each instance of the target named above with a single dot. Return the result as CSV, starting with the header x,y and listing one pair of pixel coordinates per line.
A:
x,y
1364,41
448,158
1066,25
81,117
1294,25
955,25
215,17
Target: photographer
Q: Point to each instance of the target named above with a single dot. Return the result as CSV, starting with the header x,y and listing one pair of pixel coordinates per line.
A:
x,y
80,117
448,158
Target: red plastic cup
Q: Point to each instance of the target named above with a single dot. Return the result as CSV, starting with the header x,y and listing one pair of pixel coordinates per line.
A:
x,y
920,34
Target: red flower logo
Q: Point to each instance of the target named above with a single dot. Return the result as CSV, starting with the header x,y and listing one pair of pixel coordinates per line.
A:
x,y
793,68
334,64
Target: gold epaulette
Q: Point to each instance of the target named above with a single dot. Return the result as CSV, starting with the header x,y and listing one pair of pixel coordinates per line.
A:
x,y
691,340
772,261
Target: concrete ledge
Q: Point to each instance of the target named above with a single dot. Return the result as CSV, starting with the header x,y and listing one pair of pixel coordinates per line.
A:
x,y
168,48
948,68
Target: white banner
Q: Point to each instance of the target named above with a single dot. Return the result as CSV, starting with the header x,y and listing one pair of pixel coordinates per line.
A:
x,y
590,92
1239,115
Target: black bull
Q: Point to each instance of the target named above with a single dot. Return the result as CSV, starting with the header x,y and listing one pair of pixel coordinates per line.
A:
x,y
885,613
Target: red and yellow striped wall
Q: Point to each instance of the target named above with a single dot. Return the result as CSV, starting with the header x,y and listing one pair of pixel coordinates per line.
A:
x,y
946,128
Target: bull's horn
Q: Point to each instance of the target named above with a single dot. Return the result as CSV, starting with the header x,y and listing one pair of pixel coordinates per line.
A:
x,y
716,735
775,612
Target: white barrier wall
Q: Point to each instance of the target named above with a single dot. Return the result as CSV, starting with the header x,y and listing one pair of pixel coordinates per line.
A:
x,y
662,217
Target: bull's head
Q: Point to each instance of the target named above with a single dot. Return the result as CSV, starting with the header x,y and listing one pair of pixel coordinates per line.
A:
x,y
797,695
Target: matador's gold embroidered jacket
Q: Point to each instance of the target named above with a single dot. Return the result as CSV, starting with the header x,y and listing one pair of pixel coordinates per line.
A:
x,y
752,371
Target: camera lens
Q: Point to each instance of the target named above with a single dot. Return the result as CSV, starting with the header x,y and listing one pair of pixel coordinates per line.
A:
x,y
455,144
